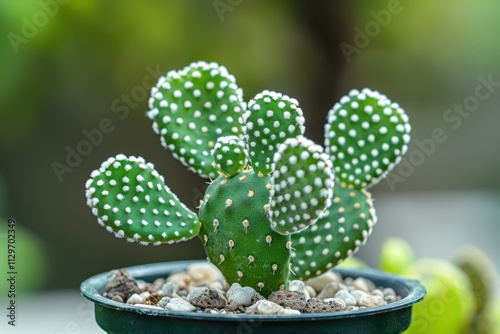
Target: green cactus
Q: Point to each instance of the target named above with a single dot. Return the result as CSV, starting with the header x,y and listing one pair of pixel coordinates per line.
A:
x,y
481,273
278,207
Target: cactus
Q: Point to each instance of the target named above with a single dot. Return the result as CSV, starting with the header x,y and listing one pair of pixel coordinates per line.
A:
x,y
278,206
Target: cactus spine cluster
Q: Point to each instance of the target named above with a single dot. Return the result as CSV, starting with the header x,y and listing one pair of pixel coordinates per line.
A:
x,y
278,206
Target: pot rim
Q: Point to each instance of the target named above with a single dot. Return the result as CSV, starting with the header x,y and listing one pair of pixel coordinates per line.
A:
x,y
414,292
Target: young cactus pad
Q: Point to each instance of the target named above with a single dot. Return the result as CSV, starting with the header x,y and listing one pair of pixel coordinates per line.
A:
x,y
278,207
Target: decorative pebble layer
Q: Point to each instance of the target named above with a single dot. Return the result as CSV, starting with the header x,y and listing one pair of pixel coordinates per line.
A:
x,y
202,288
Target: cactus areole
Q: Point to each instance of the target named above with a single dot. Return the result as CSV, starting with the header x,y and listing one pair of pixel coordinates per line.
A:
x,y
278,207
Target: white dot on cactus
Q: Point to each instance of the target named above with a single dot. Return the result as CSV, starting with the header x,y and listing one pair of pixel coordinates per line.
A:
x,y
365,125
400,128
158,95
139,189
406,138
387,111
383,130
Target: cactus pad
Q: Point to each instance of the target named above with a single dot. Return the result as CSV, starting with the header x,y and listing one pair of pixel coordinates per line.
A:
x,y
302,185
237,235
270,119
229,155
344,228
130,199
366,135
193,107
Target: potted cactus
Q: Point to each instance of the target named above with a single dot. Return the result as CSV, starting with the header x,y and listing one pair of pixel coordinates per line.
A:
x,y
278,206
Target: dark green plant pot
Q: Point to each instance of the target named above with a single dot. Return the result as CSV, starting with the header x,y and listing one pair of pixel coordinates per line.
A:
x,y
121,318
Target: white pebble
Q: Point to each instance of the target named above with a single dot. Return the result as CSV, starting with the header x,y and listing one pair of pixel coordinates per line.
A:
x,y
180,305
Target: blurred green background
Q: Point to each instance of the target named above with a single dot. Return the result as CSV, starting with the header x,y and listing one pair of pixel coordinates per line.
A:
x,y
67,65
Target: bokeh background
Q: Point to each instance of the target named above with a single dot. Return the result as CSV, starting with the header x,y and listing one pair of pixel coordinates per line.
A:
x,y
62,75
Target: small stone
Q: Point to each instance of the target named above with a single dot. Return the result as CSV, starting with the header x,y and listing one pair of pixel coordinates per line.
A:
x,y
117,298
330,290
159,282
320,306
311,291
209,299
357,294
389,292
122,285
196,292
181,280
180,305
204,273
163,302
153,298
348,299
145,295
241,297
371,301
336,300
291,299
141,284
167,290
135,299
377,292
363,284
233,287
148,287
264,307
299,286
318,283
287,311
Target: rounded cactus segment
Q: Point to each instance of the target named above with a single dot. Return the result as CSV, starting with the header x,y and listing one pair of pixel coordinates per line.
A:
x,y
193,107
237,236
230,157
270,119
366,135
345,227
302,185
131,200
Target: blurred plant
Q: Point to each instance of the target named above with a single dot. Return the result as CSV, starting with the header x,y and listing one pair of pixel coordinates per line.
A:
x,y
270,187
30,261
459,293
